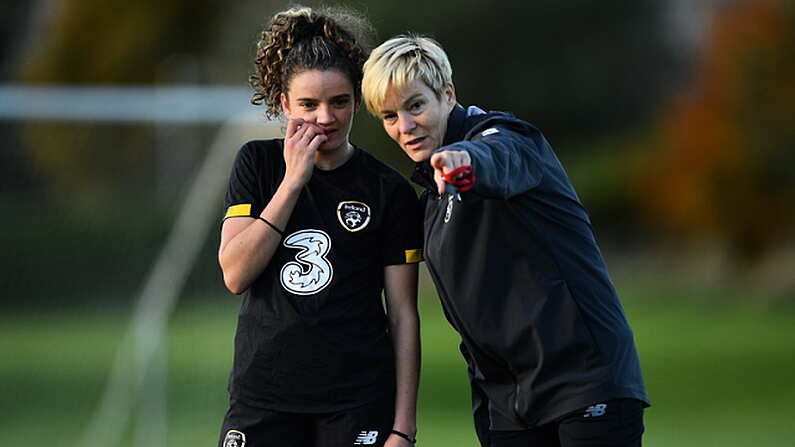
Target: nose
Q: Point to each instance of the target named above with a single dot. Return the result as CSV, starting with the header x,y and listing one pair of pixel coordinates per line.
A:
x,y
324,115
406,123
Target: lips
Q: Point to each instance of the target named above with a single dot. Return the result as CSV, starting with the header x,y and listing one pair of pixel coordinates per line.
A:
x,y
414,143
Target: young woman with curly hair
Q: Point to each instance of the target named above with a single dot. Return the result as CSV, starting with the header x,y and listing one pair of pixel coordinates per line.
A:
x,y
315,230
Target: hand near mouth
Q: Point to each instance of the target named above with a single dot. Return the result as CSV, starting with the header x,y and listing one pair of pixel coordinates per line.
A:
x,y
301,142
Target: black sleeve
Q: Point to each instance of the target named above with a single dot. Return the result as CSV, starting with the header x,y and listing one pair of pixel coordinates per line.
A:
x,y
506,162
243,196
403,227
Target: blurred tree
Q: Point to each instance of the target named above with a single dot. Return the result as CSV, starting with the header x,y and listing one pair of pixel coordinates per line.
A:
x,y
16,23
101,42
578,69
587,73
16,17
583,71
97,41
727,145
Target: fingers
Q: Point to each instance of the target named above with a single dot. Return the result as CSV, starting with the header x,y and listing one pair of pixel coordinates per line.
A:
x,y
440,160
439,179
312,136
298,131
316,141
293,126
303,134
445,162
302,139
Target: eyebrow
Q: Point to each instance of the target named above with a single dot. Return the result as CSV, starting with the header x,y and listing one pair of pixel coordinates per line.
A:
x,y
342,96
406,102
412,98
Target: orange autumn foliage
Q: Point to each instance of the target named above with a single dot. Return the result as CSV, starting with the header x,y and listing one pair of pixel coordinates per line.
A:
x,y
726,164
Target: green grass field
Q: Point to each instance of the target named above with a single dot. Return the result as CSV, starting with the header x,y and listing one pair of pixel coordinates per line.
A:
x,y
720,372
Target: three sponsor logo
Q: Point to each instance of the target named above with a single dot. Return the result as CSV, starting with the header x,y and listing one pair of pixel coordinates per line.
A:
x,y
310,271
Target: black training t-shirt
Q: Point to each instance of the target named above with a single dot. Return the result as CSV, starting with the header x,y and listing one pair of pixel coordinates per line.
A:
x,y
312,335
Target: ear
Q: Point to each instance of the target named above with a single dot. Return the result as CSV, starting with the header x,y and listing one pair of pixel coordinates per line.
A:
x,y
449,95
357,103
285,105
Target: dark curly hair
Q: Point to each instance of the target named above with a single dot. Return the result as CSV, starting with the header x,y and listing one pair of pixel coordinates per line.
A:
x,y
301,39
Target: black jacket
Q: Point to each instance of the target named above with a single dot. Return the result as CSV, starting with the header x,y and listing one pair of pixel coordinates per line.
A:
x,y
522,280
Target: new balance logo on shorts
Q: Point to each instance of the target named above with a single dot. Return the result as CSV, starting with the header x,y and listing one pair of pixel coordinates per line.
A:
x,y
595,410
366,438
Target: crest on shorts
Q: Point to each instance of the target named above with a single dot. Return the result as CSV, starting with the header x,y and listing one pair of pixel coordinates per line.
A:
x,y
353,216
234,438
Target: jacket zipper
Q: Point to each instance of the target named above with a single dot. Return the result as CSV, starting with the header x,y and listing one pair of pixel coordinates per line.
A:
x,y
518,389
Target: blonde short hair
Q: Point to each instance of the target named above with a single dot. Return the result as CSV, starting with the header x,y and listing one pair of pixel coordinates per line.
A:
x,y
400,61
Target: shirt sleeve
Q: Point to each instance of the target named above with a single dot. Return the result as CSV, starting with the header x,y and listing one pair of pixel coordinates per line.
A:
x,y
506,161
403,227
242,196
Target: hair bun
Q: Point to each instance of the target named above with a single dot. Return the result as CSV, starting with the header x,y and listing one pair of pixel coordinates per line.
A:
x,y
306,28
301,38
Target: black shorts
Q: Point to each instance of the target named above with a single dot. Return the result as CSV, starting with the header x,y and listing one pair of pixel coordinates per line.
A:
x,y
615,423
367,425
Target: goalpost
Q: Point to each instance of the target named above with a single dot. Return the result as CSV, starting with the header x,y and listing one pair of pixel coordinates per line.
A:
x,y
138,376
142,356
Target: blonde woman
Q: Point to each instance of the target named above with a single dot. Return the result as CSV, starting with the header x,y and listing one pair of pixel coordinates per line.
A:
x,y
550,354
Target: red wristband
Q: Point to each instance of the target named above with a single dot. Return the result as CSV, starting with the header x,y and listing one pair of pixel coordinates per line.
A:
x,y
462,177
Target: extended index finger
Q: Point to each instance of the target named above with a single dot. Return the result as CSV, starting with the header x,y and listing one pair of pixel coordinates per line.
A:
x,y
447,161
440,161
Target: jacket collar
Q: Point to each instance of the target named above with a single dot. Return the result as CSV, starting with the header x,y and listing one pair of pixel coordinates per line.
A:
x,y
423,173
455,125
